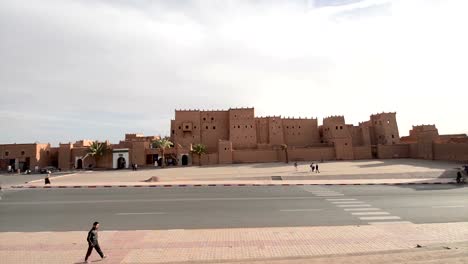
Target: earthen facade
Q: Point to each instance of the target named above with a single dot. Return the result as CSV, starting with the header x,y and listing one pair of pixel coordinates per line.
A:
x,y
237,136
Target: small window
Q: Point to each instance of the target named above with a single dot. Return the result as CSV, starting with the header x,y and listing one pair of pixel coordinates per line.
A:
x,y
287,127
22,153
238,126
393,136
180,127
204,119
293,127
214,127
186,127
251,126
212,118
206,127
346,144
7,153
299,126
195,127
173,131
336,127
47,153
225,148
341,127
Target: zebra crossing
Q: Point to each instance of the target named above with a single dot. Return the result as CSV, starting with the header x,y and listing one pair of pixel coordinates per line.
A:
x,y
364,211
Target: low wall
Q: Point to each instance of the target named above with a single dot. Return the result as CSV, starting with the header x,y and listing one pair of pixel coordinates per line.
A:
x,y
393,151
362,152
252,156
206,159
311,154
451,151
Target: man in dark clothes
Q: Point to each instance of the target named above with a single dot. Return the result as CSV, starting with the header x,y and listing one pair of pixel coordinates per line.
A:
x,y
93,242
316,168
47,179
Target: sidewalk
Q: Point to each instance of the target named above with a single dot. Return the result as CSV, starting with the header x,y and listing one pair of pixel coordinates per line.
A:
x,y
401,171
243,245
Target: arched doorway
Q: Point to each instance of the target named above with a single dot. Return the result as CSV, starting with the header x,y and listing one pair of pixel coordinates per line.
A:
x,y
121,163
79,164
184,160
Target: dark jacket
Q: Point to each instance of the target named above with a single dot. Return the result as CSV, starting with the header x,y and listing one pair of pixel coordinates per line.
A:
x,y
93,236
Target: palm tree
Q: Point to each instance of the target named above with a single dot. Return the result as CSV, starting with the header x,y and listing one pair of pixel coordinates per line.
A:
x,y
162,144
199,149
285,148
97,149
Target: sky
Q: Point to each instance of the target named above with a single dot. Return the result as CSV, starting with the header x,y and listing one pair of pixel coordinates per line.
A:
x,y
98,69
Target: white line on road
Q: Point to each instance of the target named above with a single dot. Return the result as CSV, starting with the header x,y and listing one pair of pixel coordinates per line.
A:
x,y
300,210
329,195
341,199
353,205
371,213
147,213
347,202
389,223
379,218
362,209
448,206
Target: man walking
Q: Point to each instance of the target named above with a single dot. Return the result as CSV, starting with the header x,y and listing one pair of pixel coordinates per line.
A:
x,y
316,168
93,242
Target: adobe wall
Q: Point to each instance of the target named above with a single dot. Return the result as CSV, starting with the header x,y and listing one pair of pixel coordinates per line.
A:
x,y
343,148
385,129
263,135
137,153
64,158
214,126
393,151
301,132
38,154
242,133
276,131
253,156
451,151
207,159
225,152
311,154
186,127
362,152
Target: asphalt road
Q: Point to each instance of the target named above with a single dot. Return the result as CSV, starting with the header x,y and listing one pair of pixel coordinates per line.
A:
x,y
230,207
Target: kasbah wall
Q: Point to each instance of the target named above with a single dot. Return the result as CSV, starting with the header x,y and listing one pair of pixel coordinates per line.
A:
x,y
238,136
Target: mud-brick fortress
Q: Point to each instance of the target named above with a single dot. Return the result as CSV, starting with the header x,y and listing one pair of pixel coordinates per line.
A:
x,y
237,136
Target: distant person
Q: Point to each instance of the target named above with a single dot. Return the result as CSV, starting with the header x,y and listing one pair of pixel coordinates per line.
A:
x,y
295,165
47,179
316,168
312,167
136,166
9,168
133,166
93,242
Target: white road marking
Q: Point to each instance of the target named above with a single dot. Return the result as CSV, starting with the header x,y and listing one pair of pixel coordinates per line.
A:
x,y
300,210
389,223
341,199
328,195
371,213
353,205
362,209
448,206
147,213
347,202
379,218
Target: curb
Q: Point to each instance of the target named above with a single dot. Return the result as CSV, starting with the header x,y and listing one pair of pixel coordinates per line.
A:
x,y
215,185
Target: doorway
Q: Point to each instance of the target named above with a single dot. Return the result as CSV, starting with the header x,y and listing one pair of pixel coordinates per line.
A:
x,y
121,163
184,160
79,164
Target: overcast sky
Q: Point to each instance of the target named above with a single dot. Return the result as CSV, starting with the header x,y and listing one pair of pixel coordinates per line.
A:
x,y
99,69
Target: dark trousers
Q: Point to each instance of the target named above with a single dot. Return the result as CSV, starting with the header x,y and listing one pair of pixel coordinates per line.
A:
x,y
90,249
